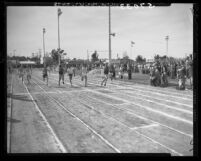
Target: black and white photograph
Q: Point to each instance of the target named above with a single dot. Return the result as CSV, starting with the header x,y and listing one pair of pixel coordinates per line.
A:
x,y
97,79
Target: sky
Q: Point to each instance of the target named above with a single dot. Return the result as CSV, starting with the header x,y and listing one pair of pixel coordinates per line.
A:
x,y
84,29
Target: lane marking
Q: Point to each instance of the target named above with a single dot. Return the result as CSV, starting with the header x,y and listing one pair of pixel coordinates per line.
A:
x,y
145,126
58,142
91,129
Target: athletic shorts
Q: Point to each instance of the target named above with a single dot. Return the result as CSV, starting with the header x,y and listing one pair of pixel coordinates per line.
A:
x,y
61,76
44,75
70,76
29,76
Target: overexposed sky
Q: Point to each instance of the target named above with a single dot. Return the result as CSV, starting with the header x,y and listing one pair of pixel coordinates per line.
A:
x,y
85,28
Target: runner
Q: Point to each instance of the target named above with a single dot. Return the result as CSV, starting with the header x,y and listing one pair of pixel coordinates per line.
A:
x,y
84,74
70,74
61,74
28,72
45,75
106,71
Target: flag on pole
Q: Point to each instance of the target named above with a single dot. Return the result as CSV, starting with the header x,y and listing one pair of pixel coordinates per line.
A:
x,y
59,12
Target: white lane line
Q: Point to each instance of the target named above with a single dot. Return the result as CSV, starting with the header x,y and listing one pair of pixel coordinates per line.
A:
x,y
145,126
100,136
132,113
57,141
156,142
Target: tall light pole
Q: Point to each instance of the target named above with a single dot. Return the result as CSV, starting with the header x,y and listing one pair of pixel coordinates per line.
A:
x,y
167,38
59,13
110,34
44,46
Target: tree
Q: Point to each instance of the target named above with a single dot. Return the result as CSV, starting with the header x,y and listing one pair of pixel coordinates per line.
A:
x,y
140,59
156,57
94,56
48,61
55,55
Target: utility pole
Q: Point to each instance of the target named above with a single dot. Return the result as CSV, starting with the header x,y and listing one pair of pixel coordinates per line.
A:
x,y
110,34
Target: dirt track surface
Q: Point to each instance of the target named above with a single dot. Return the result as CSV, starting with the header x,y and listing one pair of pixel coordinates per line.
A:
x,y
123,117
